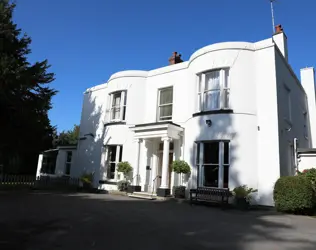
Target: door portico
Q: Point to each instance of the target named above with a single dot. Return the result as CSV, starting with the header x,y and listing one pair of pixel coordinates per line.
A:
x,y
165,133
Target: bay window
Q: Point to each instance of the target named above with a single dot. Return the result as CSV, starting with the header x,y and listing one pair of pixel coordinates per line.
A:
x,y
213,163
165,104
213,90
114,156
116,108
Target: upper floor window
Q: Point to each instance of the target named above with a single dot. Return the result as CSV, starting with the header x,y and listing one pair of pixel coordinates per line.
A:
x,y
213,90
116,106
288,105
165,104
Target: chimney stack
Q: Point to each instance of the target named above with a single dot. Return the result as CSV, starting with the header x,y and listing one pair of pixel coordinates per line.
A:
x,y
280,40
278,29
175,58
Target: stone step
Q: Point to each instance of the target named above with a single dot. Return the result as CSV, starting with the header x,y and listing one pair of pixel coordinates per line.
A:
x,y
145,193
145,197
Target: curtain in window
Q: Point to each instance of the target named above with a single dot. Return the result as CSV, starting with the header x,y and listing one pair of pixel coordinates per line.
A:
x,y
212,90
116,106
165,104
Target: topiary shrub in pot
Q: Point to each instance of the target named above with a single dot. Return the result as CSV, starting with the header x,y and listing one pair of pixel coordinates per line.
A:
x,y
294,194
125,168
180,167
242,196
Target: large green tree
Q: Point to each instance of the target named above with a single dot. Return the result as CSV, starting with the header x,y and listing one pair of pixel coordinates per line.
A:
x,y
69,137
25,98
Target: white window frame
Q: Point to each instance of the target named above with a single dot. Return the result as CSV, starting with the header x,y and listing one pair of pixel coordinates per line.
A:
x,y
200,161
288,117
68,162
163,105
306,130
224,90
109,162
121,107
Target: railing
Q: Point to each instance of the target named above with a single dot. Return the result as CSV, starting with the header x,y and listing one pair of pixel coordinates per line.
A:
x,y
137,180
8,182
154,181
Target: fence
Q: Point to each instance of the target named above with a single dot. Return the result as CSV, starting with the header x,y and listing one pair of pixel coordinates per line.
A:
x,y
8,182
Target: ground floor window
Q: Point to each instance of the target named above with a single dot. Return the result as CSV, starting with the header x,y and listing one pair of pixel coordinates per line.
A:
x,y
213,163
68,162
114,156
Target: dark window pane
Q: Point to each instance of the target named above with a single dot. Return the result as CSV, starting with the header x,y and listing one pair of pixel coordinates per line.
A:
x,y
211,152
69,156
226,176
68,166
197,153
211,176
112,153
111,171
121,153
226,152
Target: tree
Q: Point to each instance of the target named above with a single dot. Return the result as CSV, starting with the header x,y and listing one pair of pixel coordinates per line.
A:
x,y
25,98
69,137
180,167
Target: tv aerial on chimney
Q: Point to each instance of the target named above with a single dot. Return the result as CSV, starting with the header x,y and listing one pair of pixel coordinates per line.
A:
x,y
272,13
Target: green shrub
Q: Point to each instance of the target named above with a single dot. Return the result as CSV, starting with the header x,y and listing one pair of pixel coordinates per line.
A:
x,y
180,167
122,185
125,168
310,174
294,194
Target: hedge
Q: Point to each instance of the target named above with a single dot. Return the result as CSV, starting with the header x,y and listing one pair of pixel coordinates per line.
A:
x,y
294,194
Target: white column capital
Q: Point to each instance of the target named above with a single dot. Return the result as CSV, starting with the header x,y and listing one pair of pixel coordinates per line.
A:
x,y
166,138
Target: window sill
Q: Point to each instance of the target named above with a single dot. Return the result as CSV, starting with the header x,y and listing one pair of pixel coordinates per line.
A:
x,y
115,123
210,112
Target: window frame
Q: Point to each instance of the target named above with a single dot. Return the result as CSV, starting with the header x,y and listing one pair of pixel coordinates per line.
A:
x,y
224,100
68,163
288,105
122,106
164,105
118,159
221,162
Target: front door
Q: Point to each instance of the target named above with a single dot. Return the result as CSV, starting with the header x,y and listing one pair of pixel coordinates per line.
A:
x,y
160,169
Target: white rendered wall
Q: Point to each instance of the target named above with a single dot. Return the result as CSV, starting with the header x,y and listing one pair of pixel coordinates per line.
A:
x,y
306,161
288,130
308,83
88,155
268,162
61,161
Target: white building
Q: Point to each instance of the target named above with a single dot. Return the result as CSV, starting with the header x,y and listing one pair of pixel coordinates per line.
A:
x,y
231,111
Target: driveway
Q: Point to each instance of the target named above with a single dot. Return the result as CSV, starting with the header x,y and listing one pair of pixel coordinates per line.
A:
x,y
31,221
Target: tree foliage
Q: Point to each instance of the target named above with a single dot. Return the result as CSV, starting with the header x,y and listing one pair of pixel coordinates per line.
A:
x,y
69,137
25,98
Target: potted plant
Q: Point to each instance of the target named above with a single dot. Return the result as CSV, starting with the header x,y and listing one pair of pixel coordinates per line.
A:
x,y
125,168
242,196
180,167
87,181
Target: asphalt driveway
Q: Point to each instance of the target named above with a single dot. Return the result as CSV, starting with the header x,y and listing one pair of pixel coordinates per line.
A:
x,y
102,221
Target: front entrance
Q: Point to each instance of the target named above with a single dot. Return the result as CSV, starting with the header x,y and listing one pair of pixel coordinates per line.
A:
x,y
159,170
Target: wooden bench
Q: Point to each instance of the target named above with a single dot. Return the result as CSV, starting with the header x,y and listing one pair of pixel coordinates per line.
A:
x,y
210,194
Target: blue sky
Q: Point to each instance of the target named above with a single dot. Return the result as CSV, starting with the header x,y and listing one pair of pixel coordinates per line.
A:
x,y
87,41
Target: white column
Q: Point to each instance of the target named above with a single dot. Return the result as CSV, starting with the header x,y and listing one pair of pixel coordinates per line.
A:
x,y
39,165
136,175
165,163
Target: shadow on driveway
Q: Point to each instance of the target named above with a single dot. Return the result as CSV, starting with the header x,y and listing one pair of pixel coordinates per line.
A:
x,y
98,221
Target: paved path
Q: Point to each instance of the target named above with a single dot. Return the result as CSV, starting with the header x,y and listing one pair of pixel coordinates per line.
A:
x,y
98,221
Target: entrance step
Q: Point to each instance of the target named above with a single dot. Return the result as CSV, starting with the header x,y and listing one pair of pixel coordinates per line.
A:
x,y
143,195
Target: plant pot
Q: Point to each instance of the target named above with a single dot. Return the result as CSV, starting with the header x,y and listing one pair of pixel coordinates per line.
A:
x,y
86,186
241,203
179,192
